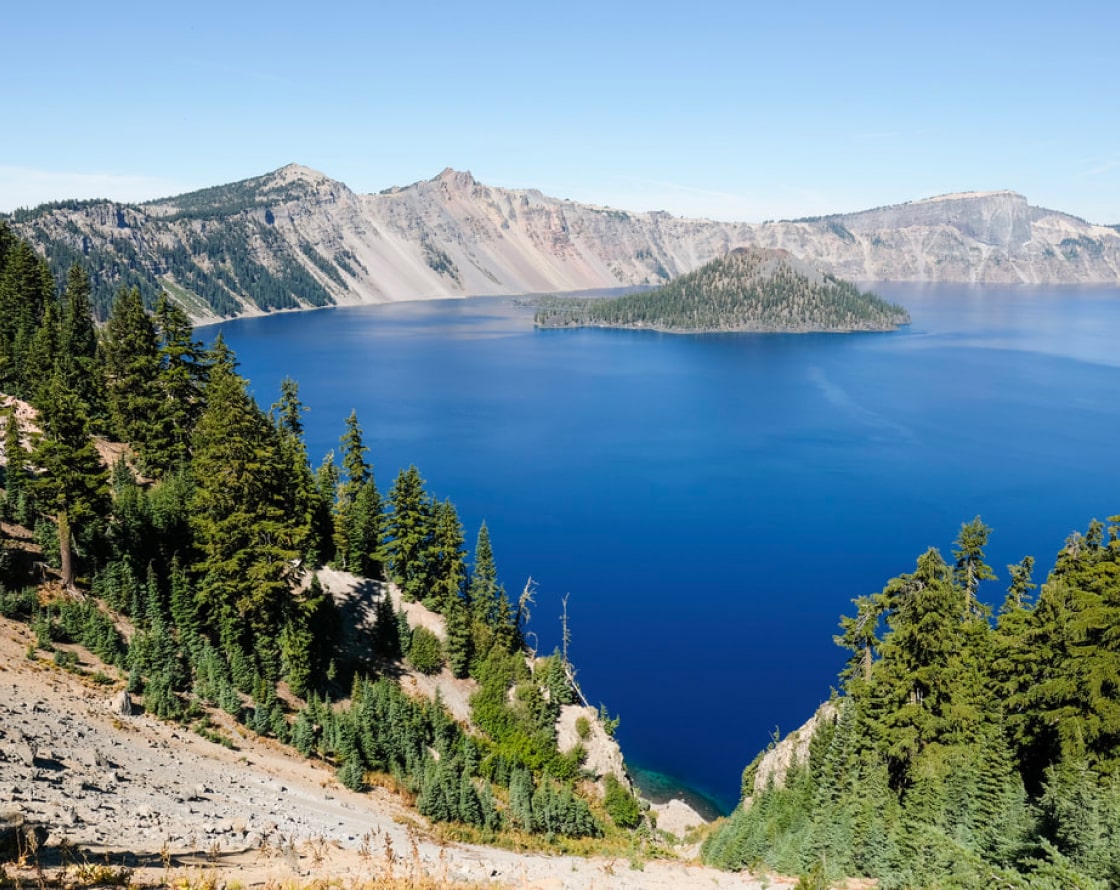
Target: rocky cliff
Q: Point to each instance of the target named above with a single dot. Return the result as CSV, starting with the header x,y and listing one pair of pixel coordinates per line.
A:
x,y
295,238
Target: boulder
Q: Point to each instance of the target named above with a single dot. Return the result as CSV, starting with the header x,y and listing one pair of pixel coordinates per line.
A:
x,y
121,704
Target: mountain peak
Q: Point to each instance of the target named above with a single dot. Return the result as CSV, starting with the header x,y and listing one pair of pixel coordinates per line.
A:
x,y
298,173
972,196
457,178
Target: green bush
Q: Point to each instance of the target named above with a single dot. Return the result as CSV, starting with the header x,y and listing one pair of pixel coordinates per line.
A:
x,y
15,603
621,805
583,727
425,652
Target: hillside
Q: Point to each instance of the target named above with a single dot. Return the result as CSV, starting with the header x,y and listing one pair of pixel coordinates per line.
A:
x,y
751,289
136,795
962,751
295,238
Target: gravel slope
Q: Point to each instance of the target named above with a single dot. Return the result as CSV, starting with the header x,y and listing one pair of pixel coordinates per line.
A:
x,y
110,784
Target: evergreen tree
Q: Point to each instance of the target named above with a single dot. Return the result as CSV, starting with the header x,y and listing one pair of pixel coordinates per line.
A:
x,y
26,289
363,539
77,352
409,535
17,504
132,368
483,592
326,487
447,568
970,568
305,505
42,353
182,375
459,641
73,484
238,515
358,509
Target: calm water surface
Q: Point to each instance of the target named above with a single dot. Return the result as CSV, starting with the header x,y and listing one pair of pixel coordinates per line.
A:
x,y
713,503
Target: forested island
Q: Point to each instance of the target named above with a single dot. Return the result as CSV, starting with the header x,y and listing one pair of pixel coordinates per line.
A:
x,y
750,289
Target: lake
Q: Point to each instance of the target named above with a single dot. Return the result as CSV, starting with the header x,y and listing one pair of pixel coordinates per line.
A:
x,y
713,503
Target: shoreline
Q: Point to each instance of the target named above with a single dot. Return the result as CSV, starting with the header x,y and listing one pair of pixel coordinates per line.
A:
x,y
660,788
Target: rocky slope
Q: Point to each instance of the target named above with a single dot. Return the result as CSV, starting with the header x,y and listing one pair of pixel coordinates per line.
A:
x,y
113,786
86,775
295,238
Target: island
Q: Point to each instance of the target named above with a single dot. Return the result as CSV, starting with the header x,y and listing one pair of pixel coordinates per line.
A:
x,y
750,289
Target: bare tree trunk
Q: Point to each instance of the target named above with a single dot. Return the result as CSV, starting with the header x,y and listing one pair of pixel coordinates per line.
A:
x,y
65,551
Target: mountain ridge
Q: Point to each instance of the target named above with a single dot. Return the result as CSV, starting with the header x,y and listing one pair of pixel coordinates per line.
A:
x,y
295,238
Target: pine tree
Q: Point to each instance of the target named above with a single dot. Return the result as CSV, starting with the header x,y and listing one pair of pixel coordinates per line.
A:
x,y
459,641
17,506
409,535
358,508
42,353
304,504
447,569
238,514
970,568
26,288
181,378
470,807
363,541
132,368
326,488
483,589
77,353
73,484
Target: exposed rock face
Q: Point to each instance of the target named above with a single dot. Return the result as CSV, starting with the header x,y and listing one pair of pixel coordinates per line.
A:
x,y
295,238
794,748
603,753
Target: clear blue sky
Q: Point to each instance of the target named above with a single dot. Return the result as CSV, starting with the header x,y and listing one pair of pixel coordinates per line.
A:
x,y
733,110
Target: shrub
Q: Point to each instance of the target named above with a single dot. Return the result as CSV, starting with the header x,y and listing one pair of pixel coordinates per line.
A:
x,y
583,727
18,602
621,805
425,652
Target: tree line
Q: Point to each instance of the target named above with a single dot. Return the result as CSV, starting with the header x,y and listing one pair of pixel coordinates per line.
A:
x,y
207,538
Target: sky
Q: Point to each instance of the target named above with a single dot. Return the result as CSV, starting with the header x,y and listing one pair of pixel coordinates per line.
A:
x,y
729,110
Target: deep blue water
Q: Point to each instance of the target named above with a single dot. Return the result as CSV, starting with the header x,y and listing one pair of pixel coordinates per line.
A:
x,y
713,503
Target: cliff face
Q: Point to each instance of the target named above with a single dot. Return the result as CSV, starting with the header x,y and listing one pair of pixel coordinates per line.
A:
x,y
295,238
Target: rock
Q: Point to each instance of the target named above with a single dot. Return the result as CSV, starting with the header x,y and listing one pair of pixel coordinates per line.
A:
x,y
68,816
25,753
677,817
91,757
121,704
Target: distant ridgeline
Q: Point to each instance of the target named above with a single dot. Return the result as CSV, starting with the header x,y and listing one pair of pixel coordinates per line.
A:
x,y
750,289
962,752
